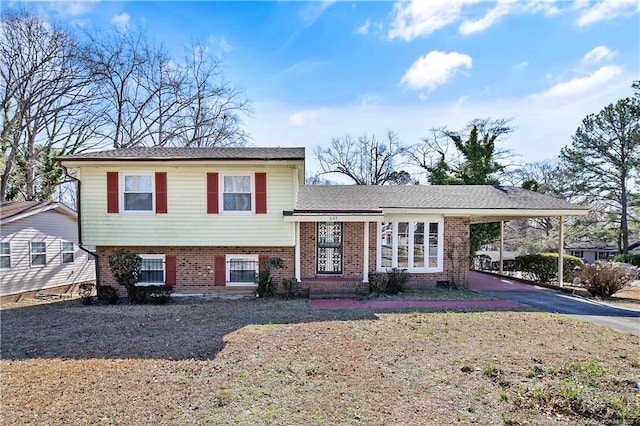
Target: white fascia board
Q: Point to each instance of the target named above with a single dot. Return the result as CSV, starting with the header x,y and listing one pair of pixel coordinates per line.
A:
x,y
337,217
499,214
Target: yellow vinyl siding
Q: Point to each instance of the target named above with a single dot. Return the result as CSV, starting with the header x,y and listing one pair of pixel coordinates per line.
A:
x,y
187,222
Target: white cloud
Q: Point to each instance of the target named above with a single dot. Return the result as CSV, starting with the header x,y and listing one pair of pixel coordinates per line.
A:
x,y
583,85
503,8
598,54
520,66
435,69
121,21
302,118
605,10
420,18
364,28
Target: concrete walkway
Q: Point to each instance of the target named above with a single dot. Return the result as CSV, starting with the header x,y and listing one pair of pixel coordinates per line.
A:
x,y
626,320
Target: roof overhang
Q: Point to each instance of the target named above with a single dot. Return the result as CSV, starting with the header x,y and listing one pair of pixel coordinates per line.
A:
x,y
333,216
489,215
475,215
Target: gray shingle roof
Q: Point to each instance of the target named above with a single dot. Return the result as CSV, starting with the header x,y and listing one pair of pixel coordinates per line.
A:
x,y
12,208
328,198
168,153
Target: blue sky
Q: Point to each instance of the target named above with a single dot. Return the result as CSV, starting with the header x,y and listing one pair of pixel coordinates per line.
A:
x,y
320,70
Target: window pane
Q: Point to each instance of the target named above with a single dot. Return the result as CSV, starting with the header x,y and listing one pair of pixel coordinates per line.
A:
x,y
152,271
67,257
237,184
5,248
242,270
138,202
403,244
5,262
137,184
38,259
418,245
386,232
433,245
38,247
67,246
237,202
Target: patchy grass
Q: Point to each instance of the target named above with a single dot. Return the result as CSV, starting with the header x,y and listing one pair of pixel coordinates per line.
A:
x,y
278,362
431,294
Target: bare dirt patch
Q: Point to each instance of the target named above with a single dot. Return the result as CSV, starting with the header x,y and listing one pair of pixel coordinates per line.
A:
x,y
278,362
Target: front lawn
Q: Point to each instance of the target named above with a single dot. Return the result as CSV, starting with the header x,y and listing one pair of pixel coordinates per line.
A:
x,y
278,362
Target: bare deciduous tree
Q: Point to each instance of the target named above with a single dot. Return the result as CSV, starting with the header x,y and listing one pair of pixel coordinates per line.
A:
x,y
46,98
366,161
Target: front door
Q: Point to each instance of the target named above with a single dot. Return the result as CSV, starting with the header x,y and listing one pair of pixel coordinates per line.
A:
x,y
329,248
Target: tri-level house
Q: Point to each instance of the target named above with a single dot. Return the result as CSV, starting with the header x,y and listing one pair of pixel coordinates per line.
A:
x,y
204,219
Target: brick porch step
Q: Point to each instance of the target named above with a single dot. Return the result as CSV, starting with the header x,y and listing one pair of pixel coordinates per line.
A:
x,y
338,289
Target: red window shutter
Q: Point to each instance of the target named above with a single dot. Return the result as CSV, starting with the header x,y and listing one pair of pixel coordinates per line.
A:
x,y
261,260
261,193
212,193
112,192
170,270
161,192
220,272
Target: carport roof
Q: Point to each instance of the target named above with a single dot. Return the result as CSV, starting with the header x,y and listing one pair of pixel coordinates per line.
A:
x,y
483,203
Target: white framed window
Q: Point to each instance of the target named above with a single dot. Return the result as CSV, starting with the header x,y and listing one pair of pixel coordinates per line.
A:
x,y
67,251
153,269
241,269
38,253
412,244
5,255
236,193
137,192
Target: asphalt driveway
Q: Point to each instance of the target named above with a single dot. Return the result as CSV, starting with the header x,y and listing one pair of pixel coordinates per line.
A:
x,y
554,301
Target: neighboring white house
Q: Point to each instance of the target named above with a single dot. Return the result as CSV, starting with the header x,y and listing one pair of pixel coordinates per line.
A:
x,y
39,248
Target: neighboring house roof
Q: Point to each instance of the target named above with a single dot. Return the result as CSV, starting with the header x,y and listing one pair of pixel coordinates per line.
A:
x,y
592,245
172,154
11,211
483,202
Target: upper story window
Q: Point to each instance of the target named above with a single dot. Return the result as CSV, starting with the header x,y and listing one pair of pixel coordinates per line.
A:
x,y
138,193
38,253
67,252
237,193
5,255
416,246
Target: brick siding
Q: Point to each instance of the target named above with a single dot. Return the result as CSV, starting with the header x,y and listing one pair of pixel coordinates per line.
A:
x,y
456,252
195,269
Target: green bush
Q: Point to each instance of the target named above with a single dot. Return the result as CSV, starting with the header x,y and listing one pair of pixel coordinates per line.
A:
x,y
396,280
266,286
633,259
107,295
290,286
126,268
153,294
377,283
604,279
86,293
543,267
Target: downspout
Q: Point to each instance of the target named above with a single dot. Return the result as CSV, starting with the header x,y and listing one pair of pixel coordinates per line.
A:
x,y
82,247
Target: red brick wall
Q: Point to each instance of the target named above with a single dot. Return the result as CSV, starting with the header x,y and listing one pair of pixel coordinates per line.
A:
x,y
195,265
352,258
456,252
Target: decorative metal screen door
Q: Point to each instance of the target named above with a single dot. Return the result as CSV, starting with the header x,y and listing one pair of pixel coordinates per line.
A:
x,y
329,247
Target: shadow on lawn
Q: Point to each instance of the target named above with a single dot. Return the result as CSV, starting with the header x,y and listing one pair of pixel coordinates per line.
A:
x,y
187,328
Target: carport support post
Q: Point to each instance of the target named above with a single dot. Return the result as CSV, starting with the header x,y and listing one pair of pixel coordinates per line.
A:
x,y
561,253
501,247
